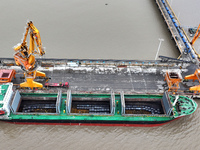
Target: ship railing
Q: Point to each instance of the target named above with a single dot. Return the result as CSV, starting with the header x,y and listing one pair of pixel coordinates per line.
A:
x,y
146,115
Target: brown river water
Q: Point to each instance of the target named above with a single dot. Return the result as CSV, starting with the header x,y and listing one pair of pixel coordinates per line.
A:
x,y
107,29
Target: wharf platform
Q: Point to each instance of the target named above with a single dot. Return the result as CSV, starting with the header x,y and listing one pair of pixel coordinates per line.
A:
x,y
178,34
108,75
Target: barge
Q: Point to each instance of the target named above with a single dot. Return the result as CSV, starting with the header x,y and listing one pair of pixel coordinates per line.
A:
x,y
102,109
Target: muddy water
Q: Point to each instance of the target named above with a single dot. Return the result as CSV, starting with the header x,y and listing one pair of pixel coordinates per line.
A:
x,y
107,29
94,29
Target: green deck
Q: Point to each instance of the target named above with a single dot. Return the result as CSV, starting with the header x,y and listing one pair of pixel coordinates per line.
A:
x,y
187,106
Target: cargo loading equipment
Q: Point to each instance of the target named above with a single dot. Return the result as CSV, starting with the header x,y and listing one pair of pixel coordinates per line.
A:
x,y
178,34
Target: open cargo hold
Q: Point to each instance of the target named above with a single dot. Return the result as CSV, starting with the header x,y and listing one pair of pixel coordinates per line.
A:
x,y
145,105
39,104
25,104
90,104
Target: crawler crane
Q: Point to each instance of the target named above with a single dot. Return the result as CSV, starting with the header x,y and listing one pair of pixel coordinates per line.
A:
x,y
24,56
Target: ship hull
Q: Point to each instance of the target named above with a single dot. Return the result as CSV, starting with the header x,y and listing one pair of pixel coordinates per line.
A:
x,y
92,123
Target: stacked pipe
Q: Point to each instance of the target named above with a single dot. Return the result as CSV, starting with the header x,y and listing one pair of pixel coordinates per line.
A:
x,y
187,50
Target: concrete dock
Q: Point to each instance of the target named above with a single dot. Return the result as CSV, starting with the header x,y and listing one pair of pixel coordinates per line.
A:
x,y
106,75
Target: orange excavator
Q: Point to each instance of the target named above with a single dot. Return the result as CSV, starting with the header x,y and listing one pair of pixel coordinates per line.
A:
x,y
25,56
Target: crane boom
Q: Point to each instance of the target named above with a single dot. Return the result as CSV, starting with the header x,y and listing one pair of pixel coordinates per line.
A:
x,y
197,34
34,37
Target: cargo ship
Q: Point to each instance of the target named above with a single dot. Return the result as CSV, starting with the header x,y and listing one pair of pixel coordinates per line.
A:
x,y
102,109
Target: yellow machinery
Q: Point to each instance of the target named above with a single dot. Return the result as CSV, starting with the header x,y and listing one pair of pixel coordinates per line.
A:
x,y
195,76
173,79
25,58
197,34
